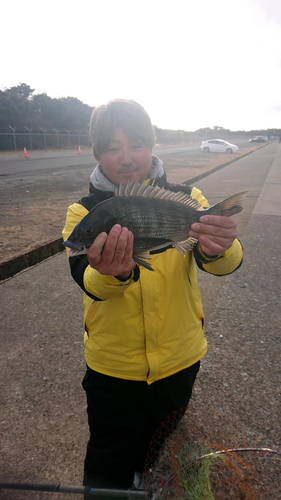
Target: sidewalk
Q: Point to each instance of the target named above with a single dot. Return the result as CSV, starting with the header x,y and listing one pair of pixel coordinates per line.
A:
x,y
244,333
269,202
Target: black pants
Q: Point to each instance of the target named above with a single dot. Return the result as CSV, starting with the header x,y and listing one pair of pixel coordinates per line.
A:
x,y
123,417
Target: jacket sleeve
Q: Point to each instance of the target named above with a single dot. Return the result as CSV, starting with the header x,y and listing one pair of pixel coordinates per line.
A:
x,y
219,265
104,286
95,285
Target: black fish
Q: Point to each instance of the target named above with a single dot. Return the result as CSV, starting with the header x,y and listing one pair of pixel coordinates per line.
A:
x,y
155,216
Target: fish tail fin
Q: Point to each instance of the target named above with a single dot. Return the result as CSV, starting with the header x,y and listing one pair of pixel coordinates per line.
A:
x,y
229,206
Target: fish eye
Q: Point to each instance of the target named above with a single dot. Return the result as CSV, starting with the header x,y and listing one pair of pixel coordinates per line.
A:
x,y
88,230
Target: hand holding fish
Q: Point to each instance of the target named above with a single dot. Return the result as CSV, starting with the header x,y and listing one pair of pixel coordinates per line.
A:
x,y
156,217
216,233
112,254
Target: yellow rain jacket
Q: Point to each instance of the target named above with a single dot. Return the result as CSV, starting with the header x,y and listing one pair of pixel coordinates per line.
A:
x,y
152,325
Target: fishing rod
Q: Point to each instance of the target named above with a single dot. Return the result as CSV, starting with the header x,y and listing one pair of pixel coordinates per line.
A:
x,y
131,494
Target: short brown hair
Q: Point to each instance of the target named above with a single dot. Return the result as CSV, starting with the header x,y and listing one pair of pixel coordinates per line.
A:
x,y
130,116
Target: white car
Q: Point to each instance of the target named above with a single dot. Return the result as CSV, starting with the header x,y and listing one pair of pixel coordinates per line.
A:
x,y
218,146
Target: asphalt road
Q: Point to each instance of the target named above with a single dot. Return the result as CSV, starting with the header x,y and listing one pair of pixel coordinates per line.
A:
x,y
16,164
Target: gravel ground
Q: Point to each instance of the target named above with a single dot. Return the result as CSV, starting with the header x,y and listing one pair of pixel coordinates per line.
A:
x,y
235,401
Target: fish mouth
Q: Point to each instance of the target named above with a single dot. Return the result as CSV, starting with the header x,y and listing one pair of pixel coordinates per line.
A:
x,y
74,248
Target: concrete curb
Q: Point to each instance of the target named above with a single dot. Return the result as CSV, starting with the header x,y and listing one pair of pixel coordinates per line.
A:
x,y
11,267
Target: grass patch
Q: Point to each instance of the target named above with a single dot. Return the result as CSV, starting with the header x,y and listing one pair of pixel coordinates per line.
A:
x,y
195,476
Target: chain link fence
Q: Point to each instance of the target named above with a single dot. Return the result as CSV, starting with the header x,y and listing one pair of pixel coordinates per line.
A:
x,y
55,139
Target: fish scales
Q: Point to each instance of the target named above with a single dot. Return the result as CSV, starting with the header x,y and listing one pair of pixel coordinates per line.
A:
x,y
157,217
154,217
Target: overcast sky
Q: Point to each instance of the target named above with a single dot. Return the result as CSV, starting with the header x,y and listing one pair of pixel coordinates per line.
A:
x,y
191,64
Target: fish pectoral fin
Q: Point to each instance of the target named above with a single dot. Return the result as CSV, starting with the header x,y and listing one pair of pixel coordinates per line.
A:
x,y
186,245
139,258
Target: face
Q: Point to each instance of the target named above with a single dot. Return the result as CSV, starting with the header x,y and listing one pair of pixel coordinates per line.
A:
x,y
125,160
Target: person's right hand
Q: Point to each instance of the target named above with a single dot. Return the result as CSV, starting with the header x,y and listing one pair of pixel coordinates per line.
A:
x,y
113,253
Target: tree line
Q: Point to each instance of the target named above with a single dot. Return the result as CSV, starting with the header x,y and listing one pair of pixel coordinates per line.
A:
x,y
22,111
45,122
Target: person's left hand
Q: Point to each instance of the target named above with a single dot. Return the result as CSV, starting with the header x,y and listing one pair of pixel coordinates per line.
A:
x,y
216,233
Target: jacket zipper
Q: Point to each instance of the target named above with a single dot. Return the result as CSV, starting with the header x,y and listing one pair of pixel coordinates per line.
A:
x,y
143,315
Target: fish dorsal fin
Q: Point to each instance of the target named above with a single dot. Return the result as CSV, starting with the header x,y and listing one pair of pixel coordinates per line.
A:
x,y
144,190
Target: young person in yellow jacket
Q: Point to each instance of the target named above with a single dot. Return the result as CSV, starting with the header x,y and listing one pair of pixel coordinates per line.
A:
x,y
144,331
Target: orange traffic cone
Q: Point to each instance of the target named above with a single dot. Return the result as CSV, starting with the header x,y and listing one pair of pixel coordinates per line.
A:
x,y
25,153
79,151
